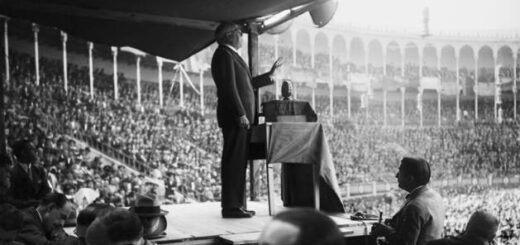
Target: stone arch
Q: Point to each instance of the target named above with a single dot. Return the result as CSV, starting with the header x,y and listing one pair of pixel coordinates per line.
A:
x,y
448,63
339,58
429,60
486,64
357,54
321,54
411,62
467,72
375,56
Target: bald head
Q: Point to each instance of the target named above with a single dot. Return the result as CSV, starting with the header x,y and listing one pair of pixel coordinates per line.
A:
x,y
301,226
483,225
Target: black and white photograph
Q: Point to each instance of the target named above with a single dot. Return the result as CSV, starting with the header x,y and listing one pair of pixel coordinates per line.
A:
x,y
270,122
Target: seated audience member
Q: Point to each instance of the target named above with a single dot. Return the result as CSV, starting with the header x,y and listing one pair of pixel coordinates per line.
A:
x,y
421,218
481,230
44,224
5,176
119,226
28,180
148,208
87,216
301,226
11,221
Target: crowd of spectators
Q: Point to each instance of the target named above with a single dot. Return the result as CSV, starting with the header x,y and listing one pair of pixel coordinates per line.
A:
x,y
181,147
460,202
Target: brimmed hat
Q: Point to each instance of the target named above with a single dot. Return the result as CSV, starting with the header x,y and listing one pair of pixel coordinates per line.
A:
x,y
148,206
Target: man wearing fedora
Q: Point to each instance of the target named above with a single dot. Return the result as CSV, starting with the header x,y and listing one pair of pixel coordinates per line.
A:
x,y
148,209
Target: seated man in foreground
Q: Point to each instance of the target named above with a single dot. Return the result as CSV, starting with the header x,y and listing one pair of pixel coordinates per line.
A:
x,y
421,219
480,230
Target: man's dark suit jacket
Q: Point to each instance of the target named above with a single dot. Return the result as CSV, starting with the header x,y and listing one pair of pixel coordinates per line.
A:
x,y
234,87
235,99
24,192
33,231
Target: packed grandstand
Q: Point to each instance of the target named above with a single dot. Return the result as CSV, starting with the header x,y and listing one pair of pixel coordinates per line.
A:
x,y
113,146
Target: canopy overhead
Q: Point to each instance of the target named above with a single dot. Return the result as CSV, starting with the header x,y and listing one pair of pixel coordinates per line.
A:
x,y
173,29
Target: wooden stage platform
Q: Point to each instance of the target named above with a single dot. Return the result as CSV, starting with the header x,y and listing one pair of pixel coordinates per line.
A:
x,y
202,223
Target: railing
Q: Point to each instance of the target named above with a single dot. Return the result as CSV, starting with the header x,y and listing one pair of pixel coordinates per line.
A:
x,y
375,188
129,160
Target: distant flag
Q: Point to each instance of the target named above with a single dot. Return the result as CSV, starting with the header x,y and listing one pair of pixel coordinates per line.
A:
x,y
426,20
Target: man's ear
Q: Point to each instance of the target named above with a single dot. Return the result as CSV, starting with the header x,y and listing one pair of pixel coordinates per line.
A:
x,y
411,179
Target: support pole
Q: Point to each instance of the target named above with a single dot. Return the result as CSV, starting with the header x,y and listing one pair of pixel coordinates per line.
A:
x,y
439,89
181,85
201,88
313,96
3,141
138,72
160,80
420,106
349,86
439,108
91,68
385,121
384,90
36,29
116,87
457,74
475,86
496,88
64,46
403,90
6,53
252,45
515,63
276,55
331,85
369,88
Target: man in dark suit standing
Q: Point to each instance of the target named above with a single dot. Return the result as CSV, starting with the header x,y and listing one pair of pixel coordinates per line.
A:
x,y
28,180
235,112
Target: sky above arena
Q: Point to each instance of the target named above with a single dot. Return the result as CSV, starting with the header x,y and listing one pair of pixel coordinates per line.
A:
x,y
446,16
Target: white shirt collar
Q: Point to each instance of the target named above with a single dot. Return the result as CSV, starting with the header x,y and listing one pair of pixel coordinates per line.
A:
x,y
39,214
